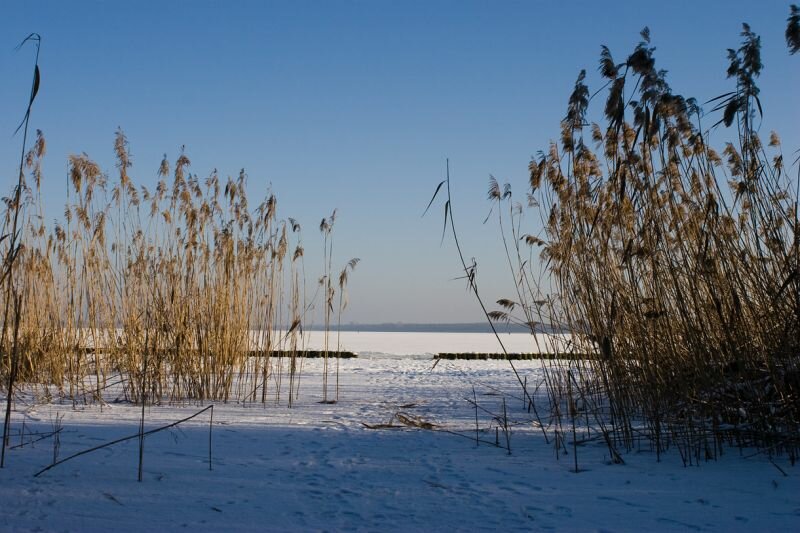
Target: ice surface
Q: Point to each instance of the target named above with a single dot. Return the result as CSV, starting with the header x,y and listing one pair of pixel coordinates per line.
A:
x,y
426,345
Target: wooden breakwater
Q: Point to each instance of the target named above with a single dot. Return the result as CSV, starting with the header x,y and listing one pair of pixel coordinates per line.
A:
x,y
310,354
471,356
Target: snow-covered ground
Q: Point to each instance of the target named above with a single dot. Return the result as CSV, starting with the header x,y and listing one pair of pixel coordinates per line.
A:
x,y
319,467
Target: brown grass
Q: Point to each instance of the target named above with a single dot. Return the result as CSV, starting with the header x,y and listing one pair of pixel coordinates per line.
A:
x,y
162,288
679,265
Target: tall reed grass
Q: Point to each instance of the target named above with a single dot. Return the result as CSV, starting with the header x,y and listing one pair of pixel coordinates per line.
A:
x,y
676,265
182,292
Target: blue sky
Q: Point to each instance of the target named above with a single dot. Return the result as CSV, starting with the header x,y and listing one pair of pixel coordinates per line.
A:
x,y
355,106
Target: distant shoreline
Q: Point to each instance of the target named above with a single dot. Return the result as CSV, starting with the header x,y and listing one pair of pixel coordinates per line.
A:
x,y
464,327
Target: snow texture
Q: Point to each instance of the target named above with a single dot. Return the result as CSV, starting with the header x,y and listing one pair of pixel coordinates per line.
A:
x,y
318,466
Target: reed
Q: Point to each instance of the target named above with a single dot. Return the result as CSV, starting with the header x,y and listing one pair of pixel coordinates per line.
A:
x,y
11,233
675,266
344,276
179,292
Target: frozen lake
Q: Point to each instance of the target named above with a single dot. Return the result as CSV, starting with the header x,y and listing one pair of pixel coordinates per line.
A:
x,y
399,344
424,345
356,466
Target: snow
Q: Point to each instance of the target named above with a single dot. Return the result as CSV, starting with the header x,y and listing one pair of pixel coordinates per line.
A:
x,y
318,467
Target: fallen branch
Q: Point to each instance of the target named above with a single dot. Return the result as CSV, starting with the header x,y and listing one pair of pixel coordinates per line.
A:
x,y
382,426
414,421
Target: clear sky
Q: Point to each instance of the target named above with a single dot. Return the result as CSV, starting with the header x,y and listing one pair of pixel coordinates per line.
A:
x,y
355,106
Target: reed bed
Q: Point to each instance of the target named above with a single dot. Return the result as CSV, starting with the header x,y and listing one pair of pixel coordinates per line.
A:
x,y
678,265
185,291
